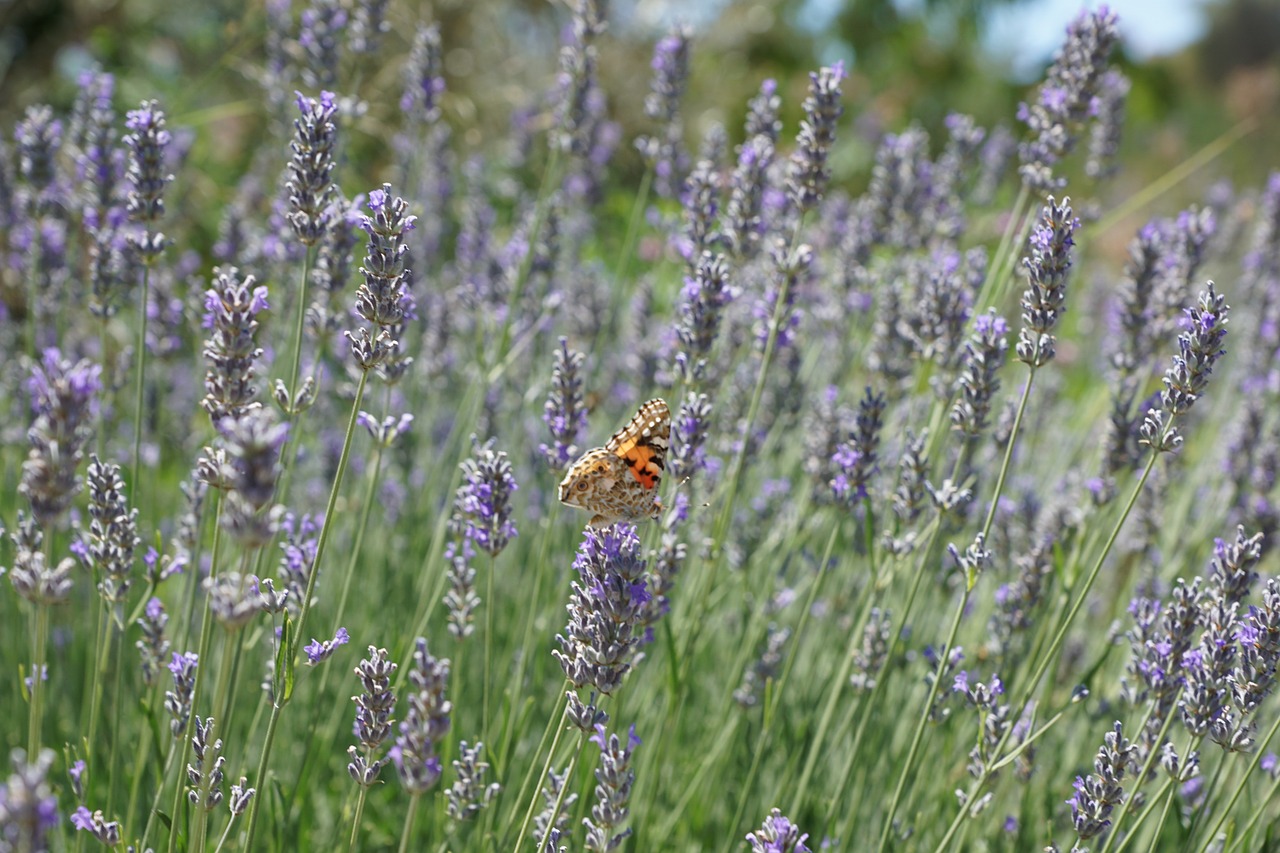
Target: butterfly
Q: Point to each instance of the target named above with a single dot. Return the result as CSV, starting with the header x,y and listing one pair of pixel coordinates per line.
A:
x,y
619,482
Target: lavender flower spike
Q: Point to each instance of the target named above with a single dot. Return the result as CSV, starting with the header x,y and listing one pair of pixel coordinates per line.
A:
x,y
63,397
381,297
565,412
482,506
778,835
231,309
1097,795
614,781
808,176
28,807
468,795
1047,267
310,184
374,707
146,141
426,722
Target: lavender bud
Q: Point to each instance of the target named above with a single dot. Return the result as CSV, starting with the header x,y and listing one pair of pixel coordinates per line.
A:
x,y
154,646
374,708
369,26
1108,125
1047,267
63,399
318,652
323,24
426,722
388,431
461,599
576,80
856,459
1097,795
1200,347
107,832
664,152
743,223
778,835
231,309
147,140
763,669
31,576
564,413
808,175
1067,97
113,531
482,505
688,434
550,796
614,780
381,297
874,651
424,76
204,786
702,304
178,700
28,807
762,113
310,167
241,794
701,205
604,608
468,794
984,355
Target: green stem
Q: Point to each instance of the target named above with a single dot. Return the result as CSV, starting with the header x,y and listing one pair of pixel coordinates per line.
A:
x,y
202,657
99,685
118,642
39,642
546,768
141,381
409,815
488,649
326,526
360,798
918,736
1008,451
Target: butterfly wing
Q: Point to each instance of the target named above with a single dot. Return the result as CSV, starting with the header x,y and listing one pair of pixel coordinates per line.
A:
x,y
643,443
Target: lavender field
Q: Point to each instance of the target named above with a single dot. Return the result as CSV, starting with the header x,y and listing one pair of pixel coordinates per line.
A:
x,y
954,529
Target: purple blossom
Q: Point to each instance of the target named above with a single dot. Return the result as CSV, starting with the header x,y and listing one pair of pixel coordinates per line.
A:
x,y
482,505
318,652
778,835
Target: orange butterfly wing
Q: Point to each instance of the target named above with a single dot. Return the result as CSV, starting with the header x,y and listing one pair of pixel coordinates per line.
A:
x,y
643,443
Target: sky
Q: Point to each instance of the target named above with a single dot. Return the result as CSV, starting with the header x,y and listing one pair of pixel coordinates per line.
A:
x,y
1029,32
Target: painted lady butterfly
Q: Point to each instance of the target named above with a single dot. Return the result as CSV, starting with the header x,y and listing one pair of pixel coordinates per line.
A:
x,y
619,482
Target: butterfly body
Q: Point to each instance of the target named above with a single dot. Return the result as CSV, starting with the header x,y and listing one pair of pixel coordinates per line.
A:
x,y
619,482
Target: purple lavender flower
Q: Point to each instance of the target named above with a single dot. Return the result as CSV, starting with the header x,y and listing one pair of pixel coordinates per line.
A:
x,y
380,299
899,190
1200,347
205,776
178,700
702,303
482,505
310,168
664,152
778,835
99,163
564,413
241,794
808,175
32,576
688,435
323,24
426,722
298,556
1108,125
614,781
762,113
1047,267
369,26
1098,794
231,309
28,807
424,76
551,795
1067,97
993,161
856,459
743,224
984,355
604,611
107,832
469,794
318,652
874,651
63,398
374,707
154,646
113,531
39,138
386,432
461,598
147,142
576,81
775,314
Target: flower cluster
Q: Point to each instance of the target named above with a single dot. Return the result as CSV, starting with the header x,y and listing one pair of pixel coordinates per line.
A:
x,y
381,297
374,707
426,722
310,183
64,399
482,505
